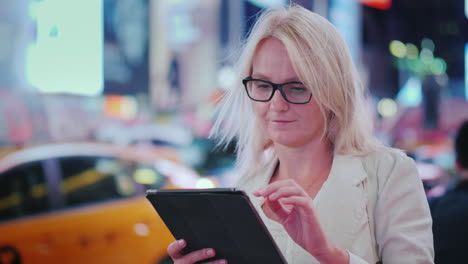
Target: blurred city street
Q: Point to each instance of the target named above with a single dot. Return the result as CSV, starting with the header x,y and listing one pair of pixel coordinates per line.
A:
x,y
101,100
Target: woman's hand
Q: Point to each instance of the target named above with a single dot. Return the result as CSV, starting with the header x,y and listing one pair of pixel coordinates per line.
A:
x,y
175,252
294,209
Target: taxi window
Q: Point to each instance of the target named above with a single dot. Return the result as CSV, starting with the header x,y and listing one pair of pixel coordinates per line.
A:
x,y
87,179
23,191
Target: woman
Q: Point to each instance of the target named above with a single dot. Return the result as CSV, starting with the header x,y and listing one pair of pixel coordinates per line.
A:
x,y
327,190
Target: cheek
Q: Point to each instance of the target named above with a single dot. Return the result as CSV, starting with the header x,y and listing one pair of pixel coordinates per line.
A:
x,y
313,117
260,109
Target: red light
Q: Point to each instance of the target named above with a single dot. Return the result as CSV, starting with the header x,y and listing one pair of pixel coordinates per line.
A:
x,y
380,4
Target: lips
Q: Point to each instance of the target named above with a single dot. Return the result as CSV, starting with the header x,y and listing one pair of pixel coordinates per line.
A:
x,y
282,121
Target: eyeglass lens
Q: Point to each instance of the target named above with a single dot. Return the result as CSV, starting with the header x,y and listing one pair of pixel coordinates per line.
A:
x,y
263,91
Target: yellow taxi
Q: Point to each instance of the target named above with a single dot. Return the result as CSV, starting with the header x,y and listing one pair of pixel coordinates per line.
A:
x,y
85,203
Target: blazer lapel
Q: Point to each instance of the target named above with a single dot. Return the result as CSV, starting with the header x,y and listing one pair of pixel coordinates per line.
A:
x,y
341,205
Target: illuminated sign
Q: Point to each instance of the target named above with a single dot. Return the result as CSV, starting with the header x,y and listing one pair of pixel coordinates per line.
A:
x,y
466,71
66,56
466,8
380,4
268,3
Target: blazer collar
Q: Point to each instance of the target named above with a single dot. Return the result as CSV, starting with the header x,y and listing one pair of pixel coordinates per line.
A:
x,y
342,202
349,168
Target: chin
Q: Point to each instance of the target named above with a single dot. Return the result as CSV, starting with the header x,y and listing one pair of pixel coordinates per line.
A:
x,y
288,141
293,140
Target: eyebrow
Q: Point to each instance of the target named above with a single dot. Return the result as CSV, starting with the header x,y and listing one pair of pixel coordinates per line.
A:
x,y
263,77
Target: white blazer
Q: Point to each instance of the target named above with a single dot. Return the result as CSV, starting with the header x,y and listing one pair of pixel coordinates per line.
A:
x,y
402,220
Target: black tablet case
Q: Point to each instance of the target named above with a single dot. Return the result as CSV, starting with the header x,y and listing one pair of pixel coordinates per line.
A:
x,y
222,218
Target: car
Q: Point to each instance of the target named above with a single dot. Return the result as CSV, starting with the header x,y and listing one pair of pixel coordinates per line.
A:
x,y
85,203
5,150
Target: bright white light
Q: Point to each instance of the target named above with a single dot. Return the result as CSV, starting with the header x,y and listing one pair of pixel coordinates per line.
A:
x,y
410,93
180,176
226,77
141,229
67,54
205,183
387,107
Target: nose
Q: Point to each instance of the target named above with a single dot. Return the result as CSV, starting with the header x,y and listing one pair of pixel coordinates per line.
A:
x,y
278,103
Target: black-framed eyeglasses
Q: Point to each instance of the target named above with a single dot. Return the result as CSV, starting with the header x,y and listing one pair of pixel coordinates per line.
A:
x,y
262,91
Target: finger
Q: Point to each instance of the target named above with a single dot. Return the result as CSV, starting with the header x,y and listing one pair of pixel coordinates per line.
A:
x,y
272,187
198,255
278,209
175,248
218,261
299,202
304,206
286,192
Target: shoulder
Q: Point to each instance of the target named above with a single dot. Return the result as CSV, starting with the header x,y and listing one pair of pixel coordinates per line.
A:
x,y
402,217
388,159
391,164
389,156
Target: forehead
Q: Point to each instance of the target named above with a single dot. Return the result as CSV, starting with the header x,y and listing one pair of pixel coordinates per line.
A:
x,y
271,50
271,61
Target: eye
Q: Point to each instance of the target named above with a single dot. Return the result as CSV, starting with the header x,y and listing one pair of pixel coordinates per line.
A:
x,y
261,85
296,88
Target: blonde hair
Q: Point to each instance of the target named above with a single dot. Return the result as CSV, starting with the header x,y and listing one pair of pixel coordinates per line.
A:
x,y
322,61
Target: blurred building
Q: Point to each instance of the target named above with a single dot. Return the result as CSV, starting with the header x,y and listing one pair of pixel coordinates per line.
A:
x,y
140,61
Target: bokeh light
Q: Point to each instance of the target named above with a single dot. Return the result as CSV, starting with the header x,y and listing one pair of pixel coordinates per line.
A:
x,y
227,77
397,49
387,107
426,56
438,66
411,51
145,176
428,44
205,183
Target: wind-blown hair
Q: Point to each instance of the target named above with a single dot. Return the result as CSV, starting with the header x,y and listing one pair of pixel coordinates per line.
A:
x,y
322,62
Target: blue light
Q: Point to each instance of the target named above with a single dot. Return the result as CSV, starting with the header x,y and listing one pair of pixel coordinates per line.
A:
x,y
67,55
410,94
268,3
466,69
466,8
344,14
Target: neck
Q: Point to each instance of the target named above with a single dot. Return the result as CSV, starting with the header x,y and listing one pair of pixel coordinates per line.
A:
x,y
305,164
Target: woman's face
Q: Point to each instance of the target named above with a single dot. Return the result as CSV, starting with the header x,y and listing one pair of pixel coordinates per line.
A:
x,y
292,125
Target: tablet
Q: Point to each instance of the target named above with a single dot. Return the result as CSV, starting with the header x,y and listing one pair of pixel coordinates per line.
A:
x,y
219,218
